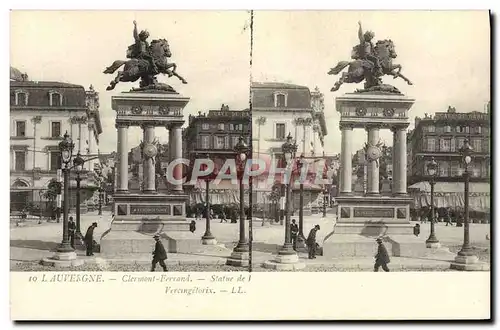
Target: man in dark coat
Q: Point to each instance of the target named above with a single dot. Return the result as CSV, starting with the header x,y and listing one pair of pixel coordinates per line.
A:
x,y
89,239
159,255
71,231
294,230
382,257
311,242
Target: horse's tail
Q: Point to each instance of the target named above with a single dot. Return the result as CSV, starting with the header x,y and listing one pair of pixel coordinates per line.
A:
x,y
114,66
340,66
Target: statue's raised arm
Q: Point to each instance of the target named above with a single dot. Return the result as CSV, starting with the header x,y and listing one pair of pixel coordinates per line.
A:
x,y
360,34
136,35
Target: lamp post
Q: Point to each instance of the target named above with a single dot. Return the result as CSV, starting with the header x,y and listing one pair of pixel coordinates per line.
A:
x,y
301,240
65,255
240,254
432,241
325,196
98,171
465,259
78,165
40,193
287,257
208,238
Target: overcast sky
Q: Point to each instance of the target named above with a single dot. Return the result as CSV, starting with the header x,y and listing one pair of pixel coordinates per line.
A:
x,y
445,54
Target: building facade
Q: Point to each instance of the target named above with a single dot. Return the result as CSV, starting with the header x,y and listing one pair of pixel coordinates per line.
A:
x,y
279,109
441,136
40,114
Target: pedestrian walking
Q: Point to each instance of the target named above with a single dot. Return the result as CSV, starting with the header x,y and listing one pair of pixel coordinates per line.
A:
x,y
71,231
159,254
382,257
311,242
89,239
223,217
448,217
192,226
294,229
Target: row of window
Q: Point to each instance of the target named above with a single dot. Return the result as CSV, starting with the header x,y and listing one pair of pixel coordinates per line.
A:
x,y
55,128
21,98
454,144
455,168
219,142
457,129
223,126
20,160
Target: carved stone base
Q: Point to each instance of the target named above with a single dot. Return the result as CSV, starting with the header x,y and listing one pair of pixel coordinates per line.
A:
x,y
432,245
238,259
273,264
469,263
63,260
208,241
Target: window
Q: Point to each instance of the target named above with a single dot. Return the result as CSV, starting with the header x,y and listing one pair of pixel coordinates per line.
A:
x,y
55,160
477,145
239,127
205,142
460,143
205,126
20,128
478,130
280,101
444,145
455,169
431,128
231,127
452,145
235,140
55,129
219,142
486,145
20,159
55,99
447,129
22,99
226,142
220,126
280,131
431,144
444,168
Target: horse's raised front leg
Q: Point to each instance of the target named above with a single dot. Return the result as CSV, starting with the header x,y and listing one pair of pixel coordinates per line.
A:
x,y
338,84
115,81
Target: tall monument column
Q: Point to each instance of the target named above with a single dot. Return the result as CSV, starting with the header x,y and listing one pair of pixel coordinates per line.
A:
x,y
176,153
400,155
373,162
346,160
123,158
149,152
395,162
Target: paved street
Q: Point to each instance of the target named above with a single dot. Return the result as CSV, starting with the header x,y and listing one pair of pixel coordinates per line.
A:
x,y
35,241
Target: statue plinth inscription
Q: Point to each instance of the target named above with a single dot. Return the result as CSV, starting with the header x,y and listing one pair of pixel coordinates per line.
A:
x,y
150,209
373,212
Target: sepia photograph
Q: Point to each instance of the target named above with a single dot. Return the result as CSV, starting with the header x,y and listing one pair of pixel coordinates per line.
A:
x,y
222,147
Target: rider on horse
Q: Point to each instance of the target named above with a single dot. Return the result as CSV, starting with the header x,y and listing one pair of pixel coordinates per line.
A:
x,y
141,50
366,50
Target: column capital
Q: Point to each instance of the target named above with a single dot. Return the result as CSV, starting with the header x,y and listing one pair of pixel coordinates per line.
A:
x,y
173,126
399,127
147,125
122,125
344,126
370,127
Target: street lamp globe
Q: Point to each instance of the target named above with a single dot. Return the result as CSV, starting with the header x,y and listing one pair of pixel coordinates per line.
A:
x,y
289,149
241,150
66,147
78,162
466,152
432,167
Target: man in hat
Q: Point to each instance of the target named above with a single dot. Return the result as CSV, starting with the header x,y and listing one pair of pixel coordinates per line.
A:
x,y
89,239
71,231
294,230
311,242
159,254
382,257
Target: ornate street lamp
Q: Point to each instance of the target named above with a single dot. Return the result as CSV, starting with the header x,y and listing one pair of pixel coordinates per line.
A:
x,y
78,165
240,254
432,241
208,238
287,257
465,259
301,240
325,200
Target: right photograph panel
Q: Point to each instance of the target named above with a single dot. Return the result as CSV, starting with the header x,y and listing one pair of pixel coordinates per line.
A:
x,y
372,134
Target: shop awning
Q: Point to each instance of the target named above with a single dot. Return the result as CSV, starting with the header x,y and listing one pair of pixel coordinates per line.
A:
x,y
452,187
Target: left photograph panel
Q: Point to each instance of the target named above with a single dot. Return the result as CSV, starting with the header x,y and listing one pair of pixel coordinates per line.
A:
x,y
129,132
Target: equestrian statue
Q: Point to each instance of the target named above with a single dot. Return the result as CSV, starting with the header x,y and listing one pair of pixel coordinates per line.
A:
x,y
145,62
371,62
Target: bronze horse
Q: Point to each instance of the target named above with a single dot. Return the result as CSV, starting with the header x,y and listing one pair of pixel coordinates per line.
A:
x,y
360,70
141,68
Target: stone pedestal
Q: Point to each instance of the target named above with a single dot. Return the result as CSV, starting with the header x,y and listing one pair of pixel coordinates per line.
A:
x,y
63,260
364,217
468,263
138,216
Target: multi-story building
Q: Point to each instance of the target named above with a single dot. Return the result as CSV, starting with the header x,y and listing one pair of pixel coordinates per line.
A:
x,y
279,109
441,136
40,113
215,134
